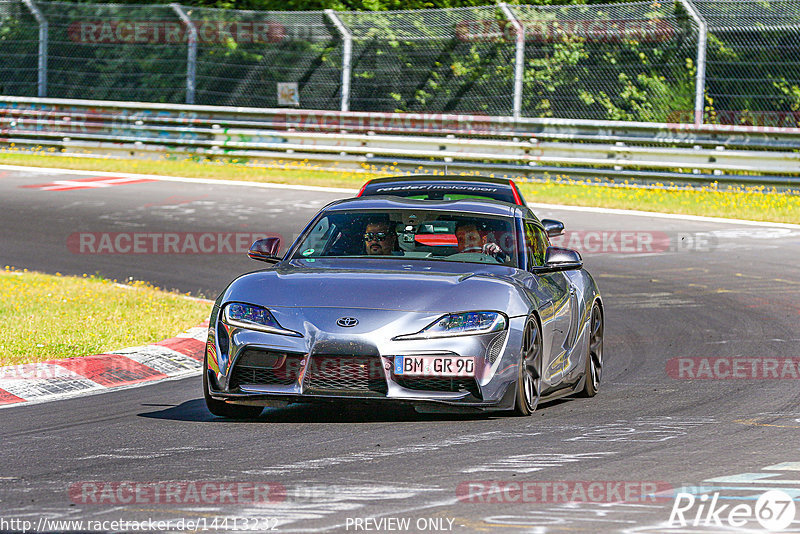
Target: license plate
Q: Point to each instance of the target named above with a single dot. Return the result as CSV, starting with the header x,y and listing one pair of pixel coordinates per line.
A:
x,y
434,366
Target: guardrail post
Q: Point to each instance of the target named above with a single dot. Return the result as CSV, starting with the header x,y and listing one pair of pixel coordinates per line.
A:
x,y
191,56
43,39
700,82
347,57
519,59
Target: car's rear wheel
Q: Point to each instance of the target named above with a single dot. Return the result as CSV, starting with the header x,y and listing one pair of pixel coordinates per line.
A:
x,y
594,356
529,381
223,409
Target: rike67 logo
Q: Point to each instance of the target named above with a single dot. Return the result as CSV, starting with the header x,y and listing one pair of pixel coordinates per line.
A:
x,y
774,511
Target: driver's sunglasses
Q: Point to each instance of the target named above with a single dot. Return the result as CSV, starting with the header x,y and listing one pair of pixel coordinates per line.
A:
x,y
376,236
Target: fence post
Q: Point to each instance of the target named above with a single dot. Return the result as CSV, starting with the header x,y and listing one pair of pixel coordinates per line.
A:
x,y
347,55
43,39
700,82
191,57
519,59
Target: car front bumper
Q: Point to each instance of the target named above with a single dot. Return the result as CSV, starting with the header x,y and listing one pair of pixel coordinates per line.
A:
x,y
258,368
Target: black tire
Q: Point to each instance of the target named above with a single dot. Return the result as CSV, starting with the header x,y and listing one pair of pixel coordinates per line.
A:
x,y
594,356
529,381
223,409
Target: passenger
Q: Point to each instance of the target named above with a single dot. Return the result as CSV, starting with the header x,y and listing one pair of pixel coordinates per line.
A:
x,y
380,240
470,239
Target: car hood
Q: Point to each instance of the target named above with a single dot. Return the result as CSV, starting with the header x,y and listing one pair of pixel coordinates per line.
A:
x,y
413,286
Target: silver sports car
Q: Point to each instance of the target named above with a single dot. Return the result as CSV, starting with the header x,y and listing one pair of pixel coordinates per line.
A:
x,y
443,305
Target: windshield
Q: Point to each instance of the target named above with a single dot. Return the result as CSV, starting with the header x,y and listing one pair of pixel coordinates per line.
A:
x,y
411,234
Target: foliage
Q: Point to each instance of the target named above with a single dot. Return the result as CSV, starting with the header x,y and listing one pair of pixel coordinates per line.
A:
x,y
422,61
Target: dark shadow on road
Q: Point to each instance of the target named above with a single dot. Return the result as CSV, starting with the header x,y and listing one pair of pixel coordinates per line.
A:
x,y
195,411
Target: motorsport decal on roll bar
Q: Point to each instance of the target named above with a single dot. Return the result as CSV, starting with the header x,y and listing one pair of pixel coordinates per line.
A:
x,y
437,187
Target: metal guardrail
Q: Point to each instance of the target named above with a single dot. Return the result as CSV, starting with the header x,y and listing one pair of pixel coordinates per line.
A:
x,y
518,145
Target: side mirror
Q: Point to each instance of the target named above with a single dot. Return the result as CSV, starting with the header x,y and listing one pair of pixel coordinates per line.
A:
x,y
562,259
266,250
552,227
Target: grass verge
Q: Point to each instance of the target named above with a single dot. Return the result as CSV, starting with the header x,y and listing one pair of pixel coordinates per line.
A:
x,y
290,172
53,316
754,203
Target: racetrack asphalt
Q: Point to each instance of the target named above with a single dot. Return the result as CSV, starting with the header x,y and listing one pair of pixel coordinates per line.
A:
x,y
702,290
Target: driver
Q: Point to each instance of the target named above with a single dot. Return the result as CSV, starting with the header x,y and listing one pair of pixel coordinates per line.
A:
x,y
380,240
470,239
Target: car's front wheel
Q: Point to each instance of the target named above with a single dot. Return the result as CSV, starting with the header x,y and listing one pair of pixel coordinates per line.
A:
x,y
529,381
223,409
594,356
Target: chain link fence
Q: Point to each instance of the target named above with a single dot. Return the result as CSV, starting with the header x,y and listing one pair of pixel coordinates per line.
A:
x,y
753,72
242,56
428,61
621,62
114,52
734,61
19,45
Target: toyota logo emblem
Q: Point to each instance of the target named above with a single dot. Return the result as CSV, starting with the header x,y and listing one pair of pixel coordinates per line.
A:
x,y
347,321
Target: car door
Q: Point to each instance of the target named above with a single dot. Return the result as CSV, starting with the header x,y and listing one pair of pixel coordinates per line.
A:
x,y
557,288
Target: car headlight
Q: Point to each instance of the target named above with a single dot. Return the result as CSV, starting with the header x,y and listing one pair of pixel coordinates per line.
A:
x,y
461,324
253,318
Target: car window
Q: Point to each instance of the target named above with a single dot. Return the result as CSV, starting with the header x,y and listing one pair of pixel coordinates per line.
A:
x,y
536,244
411,234
320,232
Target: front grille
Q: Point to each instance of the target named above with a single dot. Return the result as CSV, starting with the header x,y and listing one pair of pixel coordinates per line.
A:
x,y
358,375
439,384
245,372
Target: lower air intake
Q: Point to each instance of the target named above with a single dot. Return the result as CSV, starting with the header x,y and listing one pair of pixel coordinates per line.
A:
x,y
452,385
252,370
354,375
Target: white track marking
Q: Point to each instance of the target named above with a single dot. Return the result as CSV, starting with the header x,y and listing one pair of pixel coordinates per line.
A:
x,y
200,333
679,216
162,359
529,463
785,466
101,390
370,455
210,181
55,381
610,211
650,300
